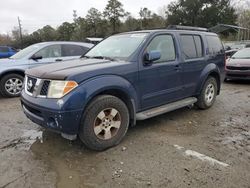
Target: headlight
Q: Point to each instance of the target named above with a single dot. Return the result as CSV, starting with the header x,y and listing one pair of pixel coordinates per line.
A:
x,y
57,89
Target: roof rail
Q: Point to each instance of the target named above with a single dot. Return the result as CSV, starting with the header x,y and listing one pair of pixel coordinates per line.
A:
x,y
182,27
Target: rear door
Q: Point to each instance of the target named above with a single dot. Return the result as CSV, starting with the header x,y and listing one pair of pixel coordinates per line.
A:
x,y
160,82
72,51
193,61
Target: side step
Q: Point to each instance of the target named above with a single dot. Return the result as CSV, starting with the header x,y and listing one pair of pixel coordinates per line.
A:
x,y
165,108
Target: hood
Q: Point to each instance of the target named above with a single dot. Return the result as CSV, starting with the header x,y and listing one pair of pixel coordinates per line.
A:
x,y
239,62
79,69
9,62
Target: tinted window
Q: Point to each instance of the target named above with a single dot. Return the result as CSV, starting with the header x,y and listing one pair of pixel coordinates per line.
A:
x,y
198,45
165,45
4,49
188,46
214,45
50,51
73,50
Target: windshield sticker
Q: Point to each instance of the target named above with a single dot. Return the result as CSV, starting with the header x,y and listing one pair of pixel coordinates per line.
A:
x,y
138,35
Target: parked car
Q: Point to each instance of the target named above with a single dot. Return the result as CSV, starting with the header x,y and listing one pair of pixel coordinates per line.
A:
x,y
12,69
6,51
230,53
126,77
238,66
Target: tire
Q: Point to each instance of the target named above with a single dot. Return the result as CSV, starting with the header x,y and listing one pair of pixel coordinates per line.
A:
x,y
208,94
104,123
13,82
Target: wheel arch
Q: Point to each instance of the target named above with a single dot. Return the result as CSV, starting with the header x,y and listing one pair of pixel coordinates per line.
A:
x,y
213,71
14,71
115,86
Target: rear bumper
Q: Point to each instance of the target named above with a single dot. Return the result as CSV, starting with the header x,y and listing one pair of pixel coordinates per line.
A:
x,y
237,74
41,113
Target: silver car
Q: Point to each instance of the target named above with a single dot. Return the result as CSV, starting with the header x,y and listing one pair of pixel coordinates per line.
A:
x,y
12,69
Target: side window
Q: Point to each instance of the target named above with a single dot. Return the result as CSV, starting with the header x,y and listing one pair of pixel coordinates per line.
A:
x,y
198,45
214,44
4,49
52,51
188,46
73,50
165,45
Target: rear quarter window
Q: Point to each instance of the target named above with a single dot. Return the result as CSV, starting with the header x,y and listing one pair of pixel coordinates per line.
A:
x,y
214,45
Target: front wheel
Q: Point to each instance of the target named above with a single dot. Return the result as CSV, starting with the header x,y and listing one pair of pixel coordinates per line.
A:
x,y
11,85
105,123
208,94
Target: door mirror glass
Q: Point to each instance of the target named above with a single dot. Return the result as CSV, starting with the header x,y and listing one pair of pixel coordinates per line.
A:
x,y
152,56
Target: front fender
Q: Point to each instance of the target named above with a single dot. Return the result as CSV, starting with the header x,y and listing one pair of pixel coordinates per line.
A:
x,y
208,70
88,89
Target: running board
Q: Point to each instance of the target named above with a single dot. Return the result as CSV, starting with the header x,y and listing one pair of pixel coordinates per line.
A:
x,y
165,108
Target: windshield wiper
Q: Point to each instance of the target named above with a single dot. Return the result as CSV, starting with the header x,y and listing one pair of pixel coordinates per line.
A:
x,y
99,57
103,57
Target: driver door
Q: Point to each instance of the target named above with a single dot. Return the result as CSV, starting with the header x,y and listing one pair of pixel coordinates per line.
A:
x,y
160,81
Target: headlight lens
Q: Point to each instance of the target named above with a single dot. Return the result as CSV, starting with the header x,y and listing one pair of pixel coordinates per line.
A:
x,y
57,89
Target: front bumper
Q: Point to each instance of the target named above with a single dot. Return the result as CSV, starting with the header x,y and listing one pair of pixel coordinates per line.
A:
x,y
48,113
237,74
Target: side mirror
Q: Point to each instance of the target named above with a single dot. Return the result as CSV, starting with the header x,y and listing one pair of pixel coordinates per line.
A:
x,y
35,58
152,56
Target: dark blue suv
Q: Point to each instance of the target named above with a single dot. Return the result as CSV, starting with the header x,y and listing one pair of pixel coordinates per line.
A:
x,y
6,51
127,77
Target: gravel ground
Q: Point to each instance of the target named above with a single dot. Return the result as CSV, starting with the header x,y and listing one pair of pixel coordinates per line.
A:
x,y
184,148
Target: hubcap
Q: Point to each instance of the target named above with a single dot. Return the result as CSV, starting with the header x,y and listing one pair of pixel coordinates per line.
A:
x,y
14,86
107,124
210,93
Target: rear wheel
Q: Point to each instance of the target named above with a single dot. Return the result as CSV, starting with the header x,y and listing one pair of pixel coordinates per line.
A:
x,y
105,123
208,94
11,85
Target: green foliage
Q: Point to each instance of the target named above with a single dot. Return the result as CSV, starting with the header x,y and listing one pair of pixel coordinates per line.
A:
x,y
113,12
203,13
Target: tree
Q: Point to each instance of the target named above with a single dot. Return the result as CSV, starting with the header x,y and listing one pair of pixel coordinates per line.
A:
x,y
113,12
203,13
65,31
93,19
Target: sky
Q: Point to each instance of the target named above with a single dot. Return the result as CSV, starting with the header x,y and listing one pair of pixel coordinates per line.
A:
x,y
35,14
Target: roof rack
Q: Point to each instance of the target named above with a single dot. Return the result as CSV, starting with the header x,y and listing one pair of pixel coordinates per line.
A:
x,y
182,27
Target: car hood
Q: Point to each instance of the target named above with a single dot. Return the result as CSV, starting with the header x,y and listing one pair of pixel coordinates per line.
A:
x,y
239,62
9,62
79,69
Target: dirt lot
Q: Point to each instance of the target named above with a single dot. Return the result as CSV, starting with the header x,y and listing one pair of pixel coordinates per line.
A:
x,y
184,148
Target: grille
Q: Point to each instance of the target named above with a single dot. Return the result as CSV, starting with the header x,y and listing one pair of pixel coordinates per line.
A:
x,y
45,88
238,68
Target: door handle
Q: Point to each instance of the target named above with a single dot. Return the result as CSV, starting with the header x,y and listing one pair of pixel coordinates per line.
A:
x,y
177,67
58,60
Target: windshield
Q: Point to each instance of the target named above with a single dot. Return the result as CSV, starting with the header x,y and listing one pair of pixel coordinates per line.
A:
x,y
118,46
242,54
26,51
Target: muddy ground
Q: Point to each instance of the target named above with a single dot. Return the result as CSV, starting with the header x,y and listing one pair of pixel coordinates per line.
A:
x,y
184,148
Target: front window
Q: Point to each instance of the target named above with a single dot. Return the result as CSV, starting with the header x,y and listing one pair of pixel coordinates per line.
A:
x,y
242,54
52,51
26,51
118,46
